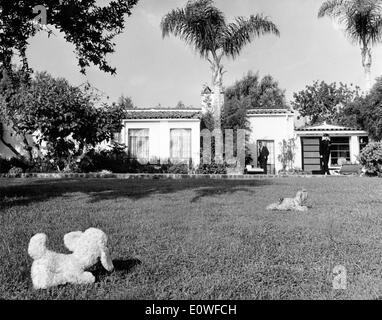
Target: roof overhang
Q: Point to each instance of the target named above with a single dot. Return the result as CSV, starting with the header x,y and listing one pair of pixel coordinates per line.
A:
x,y
163,114
269,113
330,129
319,133
161,120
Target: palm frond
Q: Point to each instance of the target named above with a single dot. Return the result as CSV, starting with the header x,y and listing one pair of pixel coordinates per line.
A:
x,y
362,19
204,27
243,31
199,24
173,22
331,8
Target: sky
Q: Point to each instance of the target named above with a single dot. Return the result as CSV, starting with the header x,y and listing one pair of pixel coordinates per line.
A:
x,y
154,71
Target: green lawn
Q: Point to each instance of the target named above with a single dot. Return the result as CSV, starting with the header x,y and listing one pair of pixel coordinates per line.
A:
x,y
200,239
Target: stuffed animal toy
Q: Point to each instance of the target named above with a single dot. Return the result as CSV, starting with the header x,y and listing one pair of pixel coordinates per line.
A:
x,y
296,203
51,269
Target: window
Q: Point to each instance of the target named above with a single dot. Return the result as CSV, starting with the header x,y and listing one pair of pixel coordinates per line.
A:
x,y
138,144
363,141
180,144
340,149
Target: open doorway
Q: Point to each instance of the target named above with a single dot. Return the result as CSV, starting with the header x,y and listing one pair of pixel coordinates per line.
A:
x,y
270,144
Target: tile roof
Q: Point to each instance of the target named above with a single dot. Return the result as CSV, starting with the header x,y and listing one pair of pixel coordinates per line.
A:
x,y
164,114
327,127
269,111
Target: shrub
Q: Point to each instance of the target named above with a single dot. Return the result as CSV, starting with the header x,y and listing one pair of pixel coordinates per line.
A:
x,y
4,165
15,171
165,167
22,163
287,153
371,158
43,164
212,168
114,160
292,171
38,165
178,168
7,164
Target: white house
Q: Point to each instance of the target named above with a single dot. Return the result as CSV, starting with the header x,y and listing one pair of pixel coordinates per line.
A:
x,y
271,127
153,135
162,134
149,134
346,144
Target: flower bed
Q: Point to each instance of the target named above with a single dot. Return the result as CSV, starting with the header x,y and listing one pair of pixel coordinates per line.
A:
x,y
155,176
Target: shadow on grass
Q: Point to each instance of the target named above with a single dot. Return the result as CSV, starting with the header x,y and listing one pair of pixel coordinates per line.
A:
x,y
122,267
24,192
213,191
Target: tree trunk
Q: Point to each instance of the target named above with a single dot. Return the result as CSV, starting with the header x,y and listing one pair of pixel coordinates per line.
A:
x,y
366,63
8,145
217,104
218,93
27,147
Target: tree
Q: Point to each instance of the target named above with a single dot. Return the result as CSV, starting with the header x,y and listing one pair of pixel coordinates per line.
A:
x,y
321,101
362,20
126,103
234,117
64,117
366,112
181,105
251,92
351,115
255,93
90,27
204,27
362,112
7,87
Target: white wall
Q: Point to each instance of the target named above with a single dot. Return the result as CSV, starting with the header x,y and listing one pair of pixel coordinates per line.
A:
x,y
159,135
354,149
274,127
298,153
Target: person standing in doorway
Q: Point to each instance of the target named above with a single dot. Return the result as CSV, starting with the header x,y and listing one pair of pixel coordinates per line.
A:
x,y
263,156
325,153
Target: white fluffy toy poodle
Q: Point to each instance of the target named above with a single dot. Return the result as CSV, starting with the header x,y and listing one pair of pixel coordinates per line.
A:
x,y
296,203
51,269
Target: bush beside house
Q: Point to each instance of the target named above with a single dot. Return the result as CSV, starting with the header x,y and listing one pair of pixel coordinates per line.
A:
x,y
287,154
212,168
371,158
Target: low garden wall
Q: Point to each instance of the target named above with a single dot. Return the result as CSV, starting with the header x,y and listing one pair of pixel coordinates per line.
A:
x,y
158,176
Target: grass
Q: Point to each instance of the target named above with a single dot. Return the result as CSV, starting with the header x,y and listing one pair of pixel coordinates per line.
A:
x,y
200,239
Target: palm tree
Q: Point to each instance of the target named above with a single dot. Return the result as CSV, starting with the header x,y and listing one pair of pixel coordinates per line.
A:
x,y
362,22
204,27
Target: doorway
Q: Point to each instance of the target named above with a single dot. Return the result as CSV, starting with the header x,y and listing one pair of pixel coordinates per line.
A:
x,y
310,147
270,144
